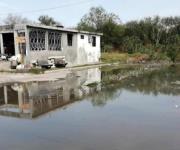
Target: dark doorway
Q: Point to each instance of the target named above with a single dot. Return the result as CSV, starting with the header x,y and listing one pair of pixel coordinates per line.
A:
x,y
2,96
8,43
12,96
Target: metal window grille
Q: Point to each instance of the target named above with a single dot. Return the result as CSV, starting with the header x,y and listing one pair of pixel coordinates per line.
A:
x,y
37,39
54,40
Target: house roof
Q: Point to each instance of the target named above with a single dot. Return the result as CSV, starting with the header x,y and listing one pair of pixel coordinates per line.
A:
x,y
9,28
6,29
63,29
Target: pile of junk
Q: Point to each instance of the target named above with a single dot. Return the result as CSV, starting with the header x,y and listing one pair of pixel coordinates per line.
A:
x,y
16,62
51,62
4,57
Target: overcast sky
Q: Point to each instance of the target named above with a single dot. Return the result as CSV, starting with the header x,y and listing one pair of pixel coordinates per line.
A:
x,y
70,11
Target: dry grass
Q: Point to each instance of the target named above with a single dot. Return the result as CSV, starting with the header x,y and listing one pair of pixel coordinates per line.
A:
x,y
114,57
124,57
178,57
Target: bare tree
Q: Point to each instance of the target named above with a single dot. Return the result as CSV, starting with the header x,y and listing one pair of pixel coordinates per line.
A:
x,y
15,19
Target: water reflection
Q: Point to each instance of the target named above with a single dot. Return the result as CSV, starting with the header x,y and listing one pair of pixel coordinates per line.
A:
x,y
164,81
147,81
31,100
153,81
131,109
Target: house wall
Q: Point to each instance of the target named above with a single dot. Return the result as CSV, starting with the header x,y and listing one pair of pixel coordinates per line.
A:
x,y
88,54
81,52
70,52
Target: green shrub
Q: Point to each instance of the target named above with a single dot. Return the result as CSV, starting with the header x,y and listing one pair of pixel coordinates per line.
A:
x,y
108,48
157,56
36,71
114,57
178,57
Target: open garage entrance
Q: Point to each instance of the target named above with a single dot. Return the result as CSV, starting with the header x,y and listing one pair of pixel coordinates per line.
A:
x,y
8,43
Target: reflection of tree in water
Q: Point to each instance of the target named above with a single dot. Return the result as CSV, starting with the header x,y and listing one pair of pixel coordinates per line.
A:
x,y
107,94
160,81
155,82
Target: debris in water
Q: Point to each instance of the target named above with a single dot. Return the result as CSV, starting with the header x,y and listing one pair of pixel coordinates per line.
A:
x,y
177,82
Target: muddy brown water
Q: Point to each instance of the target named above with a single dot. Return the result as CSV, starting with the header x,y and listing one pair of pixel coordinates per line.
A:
x,y
107,108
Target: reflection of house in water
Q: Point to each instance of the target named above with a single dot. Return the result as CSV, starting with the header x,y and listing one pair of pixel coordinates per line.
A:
x,y
33,99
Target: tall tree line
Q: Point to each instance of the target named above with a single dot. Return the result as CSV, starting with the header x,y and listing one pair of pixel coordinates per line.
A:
x,y
149,35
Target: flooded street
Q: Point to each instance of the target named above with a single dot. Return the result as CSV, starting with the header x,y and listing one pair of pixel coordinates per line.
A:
x,y
108,108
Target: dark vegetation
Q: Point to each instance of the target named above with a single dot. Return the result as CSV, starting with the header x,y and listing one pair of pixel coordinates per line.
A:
x,y
157,37
48,21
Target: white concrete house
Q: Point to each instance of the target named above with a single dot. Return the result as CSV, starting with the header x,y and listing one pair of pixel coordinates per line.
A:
x,y
38,42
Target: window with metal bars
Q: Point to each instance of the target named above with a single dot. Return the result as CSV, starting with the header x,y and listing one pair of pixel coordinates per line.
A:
x,y
54,40
37,39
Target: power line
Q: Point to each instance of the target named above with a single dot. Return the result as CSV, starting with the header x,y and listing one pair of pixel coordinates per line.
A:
x,y
51,8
